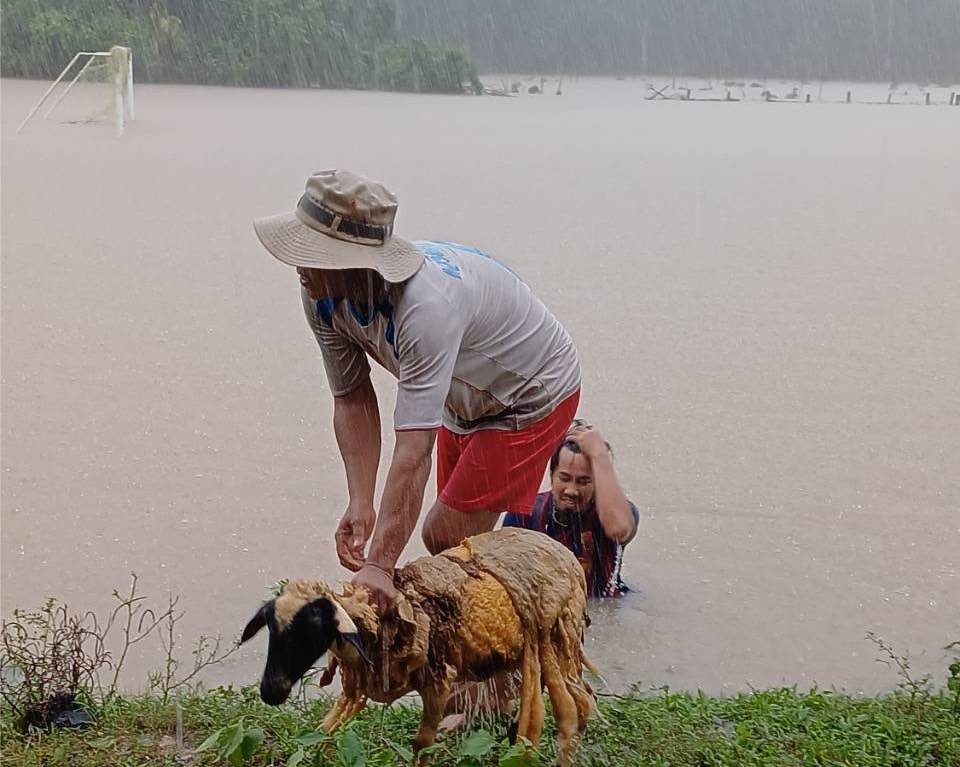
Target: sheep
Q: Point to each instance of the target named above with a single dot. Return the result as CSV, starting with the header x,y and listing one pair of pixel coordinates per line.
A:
x,y
511,600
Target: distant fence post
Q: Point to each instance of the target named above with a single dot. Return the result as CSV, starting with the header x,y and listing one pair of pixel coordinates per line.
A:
x,y
848,97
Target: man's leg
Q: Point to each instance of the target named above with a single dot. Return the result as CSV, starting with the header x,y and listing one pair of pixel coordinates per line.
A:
x,y
446,527
472,699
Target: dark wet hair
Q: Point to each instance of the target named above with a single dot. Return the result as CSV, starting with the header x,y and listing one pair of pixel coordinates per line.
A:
x,y
573,447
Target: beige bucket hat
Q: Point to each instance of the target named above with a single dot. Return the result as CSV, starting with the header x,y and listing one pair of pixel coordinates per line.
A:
x,y
343,221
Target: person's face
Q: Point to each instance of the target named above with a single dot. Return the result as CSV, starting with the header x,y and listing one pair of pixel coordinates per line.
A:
x,y
572,482
357,284
314,281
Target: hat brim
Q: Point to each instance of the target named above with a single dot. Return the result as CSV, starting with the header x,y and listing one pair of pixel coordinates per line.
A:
x,y
291,241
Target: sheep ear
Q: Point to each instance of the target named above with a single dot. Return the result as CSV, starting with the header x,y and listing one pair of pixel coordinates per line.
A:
x,y
345,624
256,623
348,630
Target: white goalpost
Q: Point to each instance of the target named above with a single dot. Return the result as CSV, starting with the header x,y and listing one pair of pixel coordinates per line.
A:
x,y
117,65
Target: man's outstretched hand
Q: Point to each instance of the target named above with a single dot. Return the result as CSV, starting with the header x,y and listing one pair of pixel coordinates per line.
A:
x,y
353,532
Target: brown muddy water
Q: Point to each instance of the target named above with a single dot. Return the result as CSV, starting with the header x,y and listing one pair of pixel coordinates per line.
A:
x,y
766,298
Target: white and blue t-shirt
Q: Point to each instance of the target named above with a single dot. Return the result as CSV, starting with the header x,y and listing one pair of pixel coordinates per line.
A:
x,y
472,347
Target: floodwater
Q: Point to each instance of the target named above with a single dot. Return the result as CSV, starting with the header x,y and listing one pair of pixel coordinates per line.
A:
x,y
766,298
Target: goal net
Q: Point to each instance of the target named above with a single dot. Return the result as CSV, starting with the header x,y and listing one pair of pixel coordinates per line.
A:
x,y
94,86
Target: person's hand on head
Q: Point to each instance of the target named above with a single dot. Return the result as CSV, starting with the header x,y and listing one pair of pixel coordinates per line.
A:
x,y
353,532
588,438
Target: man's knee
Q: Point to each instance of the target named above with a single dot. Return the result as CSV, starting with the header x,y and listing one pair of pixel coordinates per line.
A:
x,y
446,527
431,536
433,533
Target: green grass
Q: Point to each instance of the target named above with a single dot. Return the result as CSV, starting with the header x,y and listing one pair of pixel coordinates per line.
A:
x,y
774,727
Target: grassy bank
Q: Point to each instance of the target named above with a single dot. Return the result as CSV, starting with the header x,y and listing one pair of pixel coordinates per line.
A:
x,y
774,727
53,652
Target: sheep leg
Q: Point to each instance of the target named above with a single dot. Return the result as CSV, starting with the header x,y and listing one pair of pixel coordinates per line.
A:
x,y
537,715
584,701
332,720
570,651
343,712
354,708
564,704
434,702
523,704
532,711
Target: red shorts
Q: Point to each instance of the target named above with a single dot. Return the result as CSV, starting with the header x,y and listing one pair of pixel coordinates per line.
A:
x,y
497,470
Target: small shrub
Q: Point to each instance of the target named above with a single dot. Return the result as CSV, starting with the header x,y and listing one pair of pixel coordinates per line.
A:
x,y
52,658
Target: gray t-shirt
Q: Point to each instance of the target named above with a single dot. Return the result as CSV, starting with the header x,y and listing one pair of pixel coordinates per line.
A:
x,y
472,347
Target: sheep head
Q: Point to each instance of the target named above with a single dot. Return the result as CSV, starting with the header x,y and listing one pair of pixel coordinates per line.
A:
x,y
305,620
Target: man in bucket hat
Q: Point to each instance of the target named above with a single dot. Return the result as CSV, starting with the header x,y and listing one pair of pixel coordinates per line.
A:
x,y
483,368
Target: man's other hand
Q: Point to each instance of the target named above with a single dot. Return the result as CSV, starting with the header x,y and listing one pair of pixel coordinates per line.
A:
x,y
352,535
379,584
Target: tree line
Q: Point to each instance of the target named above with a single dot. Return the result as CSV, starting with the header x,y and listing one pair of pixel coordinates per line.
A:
x,y
380,43
882,40
270,43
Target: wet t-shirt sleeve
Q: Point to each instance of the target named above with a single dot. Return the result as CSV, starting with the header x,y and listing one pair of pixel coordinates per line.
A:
x,y
636,522
344,361
428,342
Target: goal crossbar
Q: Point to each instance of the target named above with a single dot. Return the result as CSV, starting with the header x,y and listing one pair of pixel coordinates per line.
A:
x,y
122,82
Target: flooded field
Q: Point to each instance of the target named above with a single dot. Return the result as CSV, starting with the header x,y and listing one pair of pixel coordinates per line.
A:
x,y
766,298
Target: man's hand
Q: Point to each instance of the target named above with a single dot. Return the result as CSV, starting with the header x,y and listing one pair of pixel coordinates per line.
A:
x,y
590,441
352,534
379,584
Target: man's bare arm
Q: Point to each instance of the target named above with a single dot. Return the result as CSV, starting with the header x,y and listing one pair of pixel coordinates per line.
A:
x,y
402,497
356,422
613,508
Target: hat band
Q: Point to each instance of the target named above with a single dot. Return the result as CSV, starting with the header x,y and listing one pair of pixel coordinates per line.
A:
x,y
344,228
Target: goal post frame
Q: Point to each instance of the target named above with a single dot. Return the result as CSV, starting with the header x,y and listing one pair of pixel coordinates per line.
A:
x,y
120,61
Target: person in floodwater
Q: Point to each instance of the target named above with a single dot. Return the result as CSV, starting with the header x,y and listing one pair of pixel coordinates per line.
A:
x,y
586,509
484,370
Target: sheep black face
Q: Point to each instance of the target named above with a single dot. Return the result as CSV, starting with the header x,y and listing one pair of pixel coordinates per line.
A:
x,y
296,644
